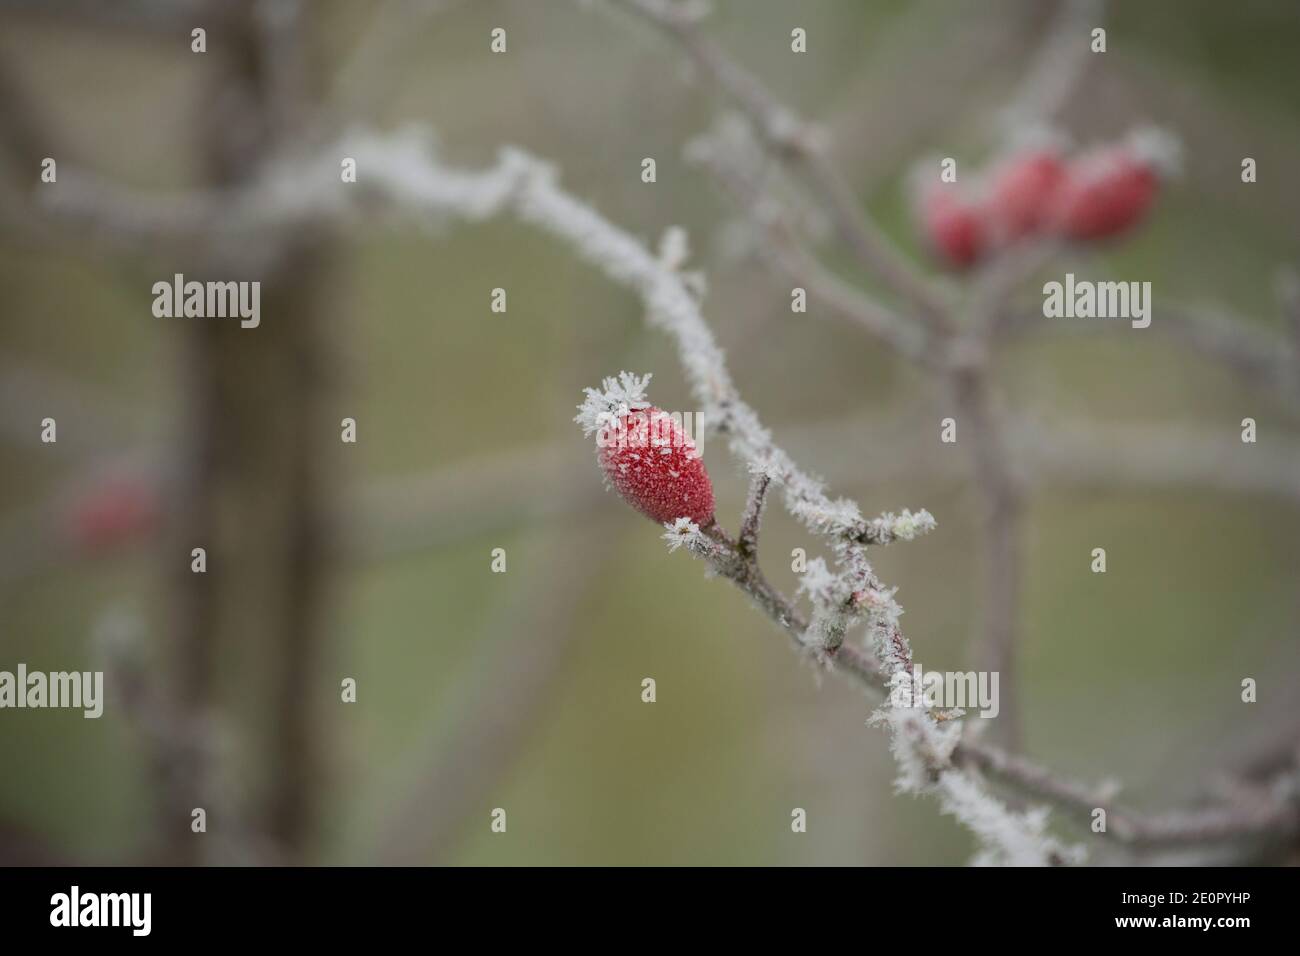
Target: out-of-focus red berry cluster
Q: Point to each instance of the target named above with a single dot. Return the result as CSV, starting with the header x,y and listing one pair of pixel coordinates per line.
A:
x,y
1040,191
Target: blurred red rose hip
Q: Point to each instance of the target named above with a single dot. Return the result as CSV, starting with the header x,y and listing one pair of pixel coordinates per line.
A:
x,y
1109,191
1022,192
954,227
113,513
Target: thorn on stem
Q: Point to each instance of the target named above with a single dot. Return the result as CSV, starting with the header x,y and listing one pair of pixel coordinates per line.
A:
x,y
749,521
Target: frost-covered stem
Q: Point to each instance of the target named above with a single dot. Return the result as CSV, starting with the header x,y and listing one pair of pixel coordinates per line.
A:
x,y
794,142
726,558
1275,812
1277,816
747,543
924,746
890,527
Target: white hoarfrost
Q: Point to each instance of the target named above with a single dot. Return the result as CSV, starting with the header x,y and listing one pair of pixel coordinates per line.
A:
x,y
923,748
686,532
907,526
617,396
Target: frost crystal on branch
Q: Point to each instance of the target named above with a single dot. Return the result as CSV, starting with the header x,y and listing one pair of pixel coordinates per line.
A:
x,y
674,248
617,397
1007,838
686,532
906,526
828,517
830,598
923,750
819,583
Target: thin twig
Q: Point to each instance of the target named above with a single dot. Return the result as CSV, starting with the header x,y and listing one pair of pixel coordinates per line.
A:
x,y
782,250
795,142
1057,68
1238,344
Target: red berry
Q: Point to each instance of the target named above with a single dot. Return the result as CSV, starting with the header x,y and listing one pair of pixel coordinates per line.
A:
x,y
113,513
955,228
1022,192
654,464
1105,193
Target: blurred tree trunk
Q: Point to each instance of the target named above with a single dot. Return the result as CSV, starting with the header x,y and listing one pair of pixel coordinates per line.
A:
x,y
253,493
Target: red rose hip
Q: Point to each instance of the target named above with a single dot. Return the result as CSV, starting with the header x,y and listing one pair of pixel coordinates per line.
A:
x,y
654,464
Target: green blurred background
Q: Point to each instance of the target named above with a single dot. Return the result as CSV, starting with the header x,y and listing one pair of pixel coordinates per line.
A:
x,y
522,690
